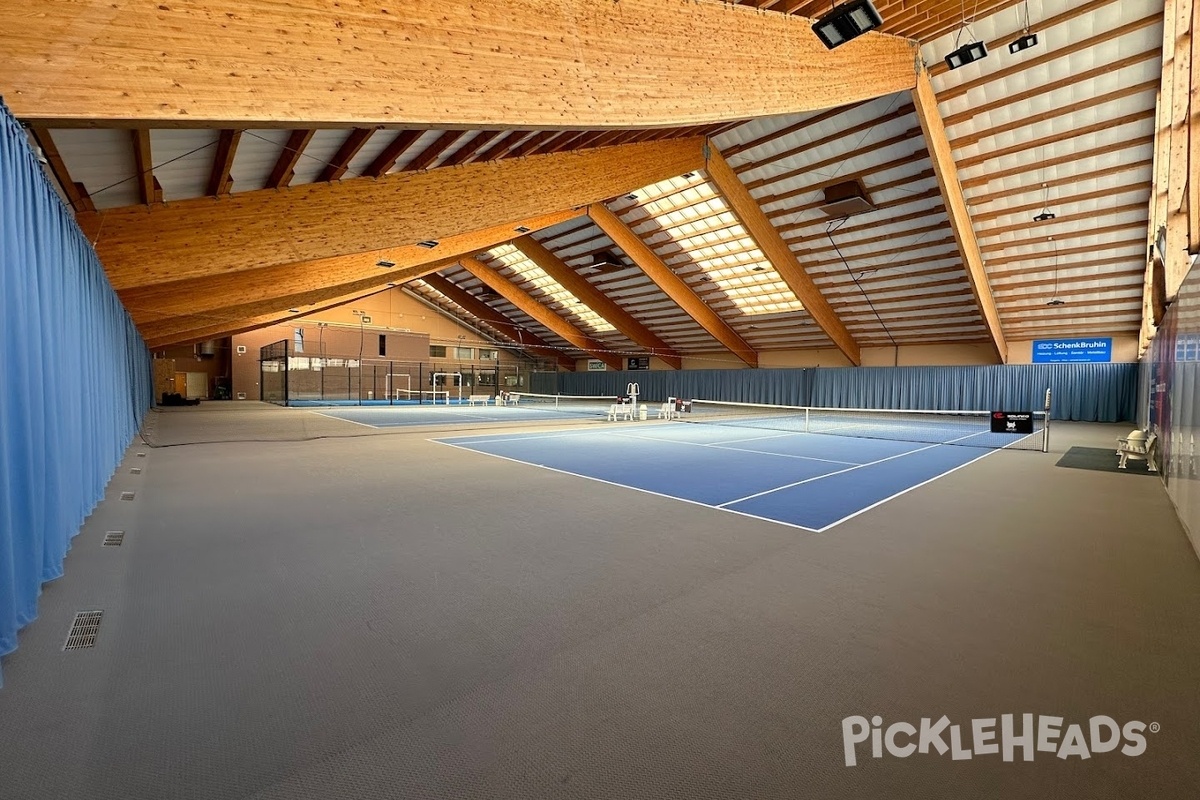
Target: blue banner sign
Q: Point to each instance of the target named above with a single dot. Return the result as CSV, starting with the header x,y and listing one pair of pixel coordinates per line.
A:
x,y
1072,351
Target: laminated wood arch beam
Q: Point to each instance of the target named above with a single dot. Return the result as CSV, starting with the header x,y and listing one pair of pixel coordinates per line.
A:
x,y
671,284
590,63
772,245
944,168
192,296
485,313
206,237
544,316
597,301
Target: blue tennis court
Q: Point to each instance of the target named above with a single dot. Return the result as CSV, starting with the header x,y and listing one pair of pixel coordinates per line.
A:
x,y
812,481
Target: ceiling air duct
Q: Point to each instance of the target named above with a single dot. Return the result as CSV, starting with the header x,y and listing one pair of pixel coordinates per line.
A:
x,y
846,199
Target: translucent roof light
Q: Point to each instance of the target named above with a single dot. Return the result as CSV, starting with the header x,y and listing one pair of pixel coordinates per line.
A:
x,y
511,257
698,220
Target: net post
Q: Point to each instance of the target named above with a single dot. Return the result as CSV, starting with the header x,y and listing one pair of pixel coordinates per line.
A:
x,y
806,420
1046,424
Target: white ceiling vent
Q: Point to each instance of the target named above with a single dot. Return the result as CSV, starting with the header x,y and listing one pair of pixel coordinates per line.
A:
x,y
845,200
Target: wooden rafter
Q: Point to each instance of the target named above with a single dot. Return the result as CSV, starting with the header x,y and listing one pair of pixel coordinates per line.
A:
x,y
76,194
926,104
653,74
540,313
597,301
148,188
235,316
340,162
670,283
250,230
396,148
485,313
471,149
427,157
503,145
748,212
219,181
197,295
285,166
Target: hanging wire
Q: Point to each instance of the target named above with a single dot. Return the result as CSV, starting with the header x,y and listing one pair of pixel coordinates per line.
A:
x,y
829,231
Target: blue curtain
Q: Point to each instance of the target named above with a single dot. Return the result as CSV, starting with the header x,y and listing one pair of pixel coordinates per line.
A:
x,y
1090,392
75,381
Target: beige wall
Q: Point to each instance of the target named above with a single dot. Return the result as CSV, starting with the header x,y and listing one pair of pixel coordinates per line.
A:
x,y
1125,349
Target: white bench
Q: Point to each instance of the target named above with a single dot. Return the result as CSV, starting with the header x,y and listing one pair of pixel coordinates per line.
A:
x,y
482,399
667,410
513,398
620,410
1138,445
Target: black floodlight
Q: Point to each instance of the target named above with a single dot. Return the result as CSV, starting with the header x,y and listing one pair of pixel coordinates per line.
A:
x,y
385,264
428,244
1024,43
1045,216
969,52
847,21
1056,302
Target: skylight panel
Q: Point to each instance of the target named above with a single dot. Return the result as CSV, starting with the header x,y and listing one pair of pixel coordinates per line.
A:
x,y
696,218
511,257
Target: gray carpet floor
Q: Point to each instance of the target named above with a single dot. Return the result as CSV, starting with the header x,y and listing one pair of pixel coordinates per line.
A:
x,y
383,617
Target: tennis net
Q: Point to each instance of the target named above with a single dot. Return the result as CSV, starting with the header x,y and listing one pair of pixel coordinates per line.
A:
x,y
969,428
577,405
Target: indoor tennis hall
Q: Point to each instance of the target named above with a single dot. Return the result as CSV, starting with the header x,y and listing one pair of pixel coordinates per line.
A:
x,y
592,399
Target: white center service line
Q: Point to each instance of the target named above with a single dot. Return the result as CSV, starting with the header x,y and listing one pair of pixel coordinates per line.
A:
x,y
841,471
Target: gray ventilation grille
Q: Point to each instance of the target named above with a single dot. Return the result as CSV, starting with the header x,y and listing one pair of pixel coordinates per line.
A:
x,y
126,495
84,630
136,470
141,455
114,538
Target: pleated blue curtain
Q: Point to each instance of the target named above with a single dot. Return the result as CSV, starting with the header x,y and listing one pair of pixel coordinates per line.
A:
x,y
75,381
1089,392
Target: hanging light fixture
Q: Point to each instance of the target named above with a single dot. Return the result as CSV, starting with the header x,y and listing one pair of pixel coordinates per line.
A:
x,y
845,22
1026,41
971,51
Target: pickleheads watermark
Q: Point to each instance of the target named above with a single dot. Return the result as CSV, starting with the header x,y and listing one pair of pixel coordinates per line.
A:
x,y
1025,735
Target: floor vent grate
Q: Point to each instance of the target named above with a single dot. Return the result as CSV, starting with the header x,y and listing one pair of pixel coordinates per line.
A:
x,y
141,455
126,495
84,630
136,470
114,538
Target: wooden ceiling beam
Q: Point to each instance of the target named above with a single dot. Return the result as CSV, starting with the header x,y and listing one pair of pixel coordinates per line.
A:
x,y
251,230
221,329
219,181
285,166
597,301
390,154
471,149
75,193
340,162
670,283
236,314
148,189
540,313
760,230
926,104
1035,144
1106,152
191,296
490,59
485,313
427,157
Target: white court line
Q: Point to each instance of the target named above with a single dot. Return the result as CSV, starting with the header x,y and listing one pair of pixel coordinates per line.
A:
x,y
342,419
624,486
906,491
842,471
735,449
